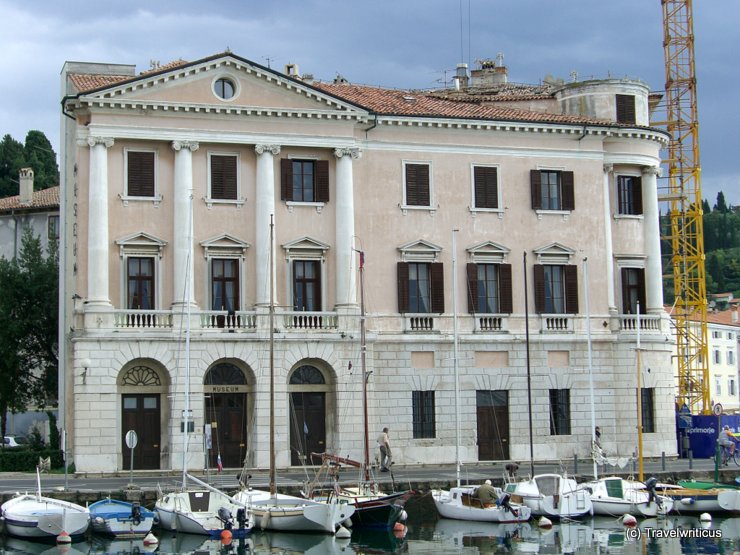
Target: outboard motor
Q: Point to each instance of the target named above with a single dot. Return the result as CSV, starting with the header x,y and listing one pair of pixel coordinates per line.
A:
x,y
224,515
241,517
136,513
503,501
650,484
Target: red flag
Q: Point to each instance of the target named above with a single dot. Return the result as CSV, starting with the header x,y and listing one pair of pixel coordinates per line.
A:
x,y
218,463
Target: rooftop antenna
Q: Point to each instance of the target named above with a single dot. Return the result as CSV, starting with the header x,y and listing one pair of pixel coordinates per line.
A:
x,y
268,60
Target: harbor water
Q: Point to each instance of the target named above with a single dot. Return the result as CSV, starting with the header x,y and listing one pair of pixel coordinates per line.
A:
x,y
427,533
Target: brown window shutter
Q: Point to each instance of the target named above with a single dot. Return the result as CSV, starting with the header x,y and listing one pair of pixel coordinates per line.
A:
x,y
505,303
638,195
286,179
485,184
535,179
223,177
625,291
626,108
437,286
140,174
539,288
571,289
417,185
402,270
643,299
568,190
472,272
322,180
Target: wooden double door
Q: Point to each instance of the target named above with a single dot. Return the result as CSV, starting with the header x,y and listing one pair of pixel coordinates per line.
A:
x,y
141,413
492,408
227,415
308,426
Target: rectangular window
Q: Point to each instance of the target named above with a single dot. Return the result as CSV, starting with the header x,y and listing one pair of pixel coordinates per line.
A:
x,y
304,180
140,283
420,287
629,195
424,425
730,357
485,187
307,285
140,173
417,186
626,108
53,228
718,386
556,289
223,177
225,284
730,336
633,290
560,412
731,387
716,335
717,358
552,190
648,410
489,288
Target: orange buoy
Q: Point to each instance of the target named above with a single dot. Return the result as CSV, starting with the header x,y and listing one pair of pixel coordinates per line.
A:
x,y
226,536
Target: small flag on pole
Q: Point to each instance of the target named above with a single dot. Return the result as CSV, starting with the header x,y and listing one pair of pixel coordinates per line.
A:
x,y
218,463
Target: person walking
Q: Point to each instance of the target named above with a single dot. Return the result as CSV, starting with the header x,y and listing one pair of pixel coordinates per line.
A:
x,y
384,445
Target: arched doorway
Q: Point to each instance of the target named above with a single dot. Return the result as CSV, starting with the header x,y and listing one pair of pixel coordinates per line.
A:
x,y
307,387
225,391
141,411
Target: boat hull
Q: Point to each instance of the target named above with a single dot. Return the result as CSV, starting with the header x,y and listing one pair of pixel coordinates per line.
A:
x,y
197,512
116,518
705,501
553,496
33,516
453,504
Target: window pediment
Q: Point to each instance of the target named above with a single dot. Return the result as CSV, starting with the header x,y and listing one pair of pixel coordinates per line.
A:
x,y
554,253
224,244
419,251
140,243
305,247
488,252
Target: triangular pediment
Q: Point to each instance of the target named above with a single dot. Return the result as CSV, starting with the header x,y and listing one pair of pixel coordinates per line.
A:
x,y
192,87
554,253
305,245
488,251
419,250
224,244
140,243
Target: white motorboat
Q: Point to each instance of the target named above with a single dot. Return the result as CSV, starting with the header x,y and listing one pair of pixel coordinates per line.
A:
x,y
552,495
461,503
690,500
614,496
121,519
34,516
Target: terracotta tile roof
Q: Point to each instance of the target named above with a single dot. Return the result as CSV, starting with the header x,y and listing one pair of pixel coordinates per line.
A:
x,y
724,317
46,198
426,104
497,93
86,82
164,67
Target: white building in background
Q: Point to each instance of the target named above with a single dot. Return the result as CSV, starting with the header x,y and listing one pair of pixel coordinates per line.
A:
x,y
561,173
722,334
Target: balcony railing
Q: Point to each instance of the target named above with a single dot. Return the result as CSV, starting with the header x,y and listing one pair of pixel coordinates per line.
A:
x,y
231,321
137,319
491,323
557,323
648,323
310,320
419,322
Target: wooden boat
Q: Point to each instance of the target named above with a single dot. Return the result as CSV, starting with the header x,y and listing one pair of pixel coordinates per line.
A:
x,y
553,496
614,496
461,503
34,516
120,518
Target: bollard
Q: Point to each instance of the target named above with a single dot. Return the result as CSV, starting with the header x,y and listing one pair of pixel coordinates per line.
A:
x,y
575,464
662,460
691,459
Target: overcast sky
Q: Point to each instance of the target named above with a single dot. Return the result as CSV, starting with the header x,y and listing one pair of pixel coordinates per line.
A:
x,y
398,43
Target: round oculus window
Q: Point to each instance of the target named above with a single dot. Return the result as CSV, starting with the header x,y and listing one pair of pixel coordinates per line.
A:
x,y
224,88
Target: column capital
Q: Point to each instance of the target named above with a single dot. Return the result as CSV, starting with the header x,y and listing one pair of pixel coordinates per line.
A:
x,y
107,142
608,168
353,153
190,145
652,170
272,149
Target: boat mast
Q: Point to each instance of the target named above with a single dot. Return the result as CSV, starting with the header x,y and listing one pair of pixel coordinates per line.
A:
x,y
639,401
529,376
186,411
455,356
273,487
590,370
363,365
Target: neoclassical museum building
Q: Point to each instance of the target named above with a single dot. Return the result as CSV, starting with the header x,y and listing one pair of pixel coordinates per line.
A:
x,y
507,231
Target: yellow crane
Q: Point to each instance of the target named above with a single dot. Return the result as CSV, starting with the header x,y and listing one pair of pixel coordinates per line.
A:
x,y
686,231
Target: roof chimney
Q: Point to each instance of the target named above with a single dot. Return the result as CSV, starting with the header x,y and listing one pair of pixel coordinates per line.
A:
x,y
461,77
26,188
291,70
491,72
734,314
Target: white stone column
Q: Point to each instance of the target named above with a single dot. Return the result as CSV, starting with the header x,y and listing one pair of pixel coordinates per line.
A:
x,y
97,224
182,244
264,208
345,260
608,244
651,231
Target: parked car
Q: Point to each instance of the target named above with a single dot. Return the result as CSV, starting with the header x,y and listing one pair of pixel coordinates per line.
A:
x,y
15,441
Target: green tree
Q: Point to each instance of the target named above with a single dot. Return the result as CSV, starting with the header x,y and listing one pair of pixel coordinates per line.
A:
x,y
705,207
28,328
721,205
12,159
41,157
